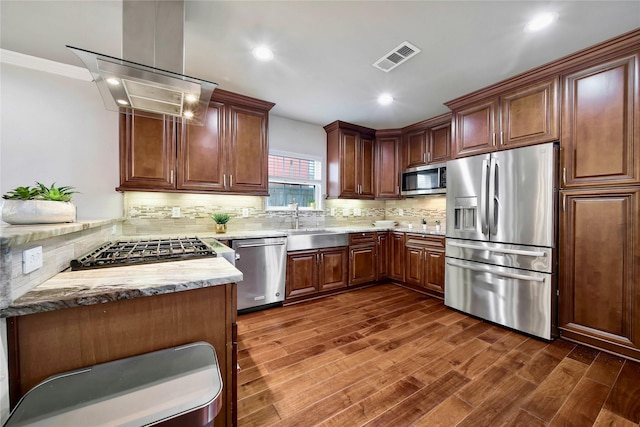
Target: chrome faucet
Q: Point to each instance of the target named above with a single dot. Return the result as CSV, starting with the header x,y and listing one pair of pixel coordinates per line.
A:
x,y
296,214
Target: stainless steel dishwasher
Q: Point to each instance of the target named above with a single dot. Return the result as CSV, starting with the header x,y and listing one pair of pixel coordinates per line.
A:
x,y
263,266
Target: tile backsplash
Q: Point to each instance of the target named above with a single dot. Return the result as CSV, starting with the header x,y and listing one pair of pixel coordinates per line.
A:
x,y
155,213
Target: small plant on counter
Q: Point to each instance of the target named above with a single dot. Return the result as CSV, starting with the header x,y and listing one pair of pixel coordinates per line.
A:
x,y
221,218
22,193
56,194
41,192
39,205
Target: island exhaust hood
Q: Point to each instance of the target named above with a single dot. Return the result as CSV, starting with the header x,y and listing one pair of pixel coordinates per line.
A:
x,y
153,33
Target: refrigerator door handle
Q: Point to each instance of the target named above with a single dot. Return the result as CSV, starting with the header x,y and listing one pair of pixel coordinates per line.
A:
x,y
483,197
501,251
497,273
493,195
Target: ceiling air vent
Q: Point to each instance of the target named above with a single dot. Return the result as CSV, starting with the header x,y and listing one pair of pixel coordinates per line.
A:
x,y
396,57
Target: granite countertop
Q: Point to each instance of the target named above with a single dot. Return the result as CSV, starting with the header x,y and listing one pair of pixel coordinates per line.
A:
x,y
13,235
88,287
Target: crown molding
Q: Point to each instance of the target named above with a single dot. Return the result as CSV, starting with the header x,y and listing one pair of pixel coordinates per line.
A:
x,y
46,65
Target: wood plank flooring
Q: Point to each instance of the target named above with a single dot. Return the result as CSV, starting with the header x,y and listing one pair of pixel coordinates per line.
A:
x,y
387,356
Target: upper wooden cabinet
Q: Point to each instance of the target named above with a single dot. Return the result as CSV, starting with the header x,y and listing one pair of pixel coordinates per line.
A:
x,y
427,142
601,124
161,154
523,116
388,164
350,161
147,152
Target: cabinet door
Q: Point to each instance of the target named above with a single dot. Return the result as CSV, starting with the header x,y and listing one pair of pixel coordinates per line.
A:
x,y
416,148
147,152
302,273
599,269
414,265
440,143
383,256
388,168
601,125
349,153
396,258
362,261
365,168
530,115
248,151
333,268
434,270
201,153
474,129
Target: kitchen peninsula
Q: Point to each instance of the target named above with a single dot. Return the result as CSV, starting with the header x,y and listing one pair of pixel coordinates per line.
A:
x,y
82,318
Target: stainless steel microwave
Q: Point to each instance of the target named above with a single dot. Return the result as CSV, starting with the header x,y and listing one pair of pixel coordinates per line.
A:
x,y
430,179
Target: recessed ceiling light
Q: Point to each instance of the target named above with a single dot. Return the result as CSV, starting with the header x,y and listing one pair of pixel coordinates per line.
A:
x,y
263,53
188,114
113,81
385,99
540,21
191,98
122,102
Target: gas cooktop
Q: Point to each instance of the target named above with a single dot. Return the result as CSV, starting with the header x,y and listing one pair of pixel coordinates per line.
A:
x,y
114,254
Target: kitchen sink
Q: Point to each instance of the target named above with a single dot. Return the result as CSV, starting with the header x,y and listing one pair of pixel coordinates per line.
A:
x,y
301,240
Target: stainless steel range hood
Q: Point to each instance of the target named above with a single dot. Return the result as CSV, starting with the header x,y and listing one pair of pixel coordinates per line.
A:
x,y
152,34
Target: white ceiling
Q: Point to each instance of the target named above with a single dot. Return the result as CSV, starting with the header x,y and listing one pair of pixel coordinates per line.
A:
x,y
324,50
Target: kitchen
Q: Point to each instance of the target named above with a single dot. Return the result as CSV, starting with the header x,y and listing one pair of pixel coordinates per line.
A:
x,y
150,213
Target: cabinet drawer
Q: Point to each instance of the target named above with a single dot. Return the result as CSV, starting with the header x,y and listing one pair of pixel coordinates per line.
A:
x,y
425,240
366,237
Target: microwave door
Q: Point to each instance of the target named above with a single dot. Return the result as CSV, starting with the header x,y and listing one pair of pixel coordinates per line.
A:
x,y
467,190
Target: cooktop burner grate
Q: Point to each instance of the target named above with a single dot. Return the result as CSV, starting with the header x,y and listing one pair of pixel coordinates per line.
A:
x,y
113,254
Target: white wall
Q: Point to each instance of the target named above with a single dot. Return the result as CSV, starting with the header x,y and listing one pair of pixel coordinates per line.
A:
x,y
298,137
56,129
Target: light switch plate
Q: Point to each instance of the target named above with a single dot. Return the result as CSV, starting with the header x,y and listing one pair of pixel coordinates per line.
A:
x,y
175,212
31,259
357,212
245,212
345,212
400,212
333,212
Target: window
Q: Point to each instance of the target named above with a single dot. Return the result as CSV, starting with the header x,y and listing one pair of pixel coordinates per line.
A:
x,y
294,176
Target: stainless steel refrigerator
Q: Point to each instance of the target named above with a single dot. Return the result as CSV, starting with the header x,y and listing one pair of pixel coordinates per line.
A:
x,y
500,254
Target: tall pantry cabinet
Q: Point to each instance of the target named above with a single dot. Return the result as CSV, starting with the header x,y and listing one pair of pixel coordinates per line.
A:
x,y
599,259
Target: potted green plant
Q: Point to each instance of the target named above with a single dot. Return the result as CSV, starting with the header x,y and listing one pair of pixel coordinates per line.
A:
x,y
312,204
39,205
221,219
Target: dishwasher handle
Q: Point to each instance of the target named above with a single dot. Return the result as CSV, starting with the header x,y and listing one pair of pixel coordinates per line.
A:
x,y
258,245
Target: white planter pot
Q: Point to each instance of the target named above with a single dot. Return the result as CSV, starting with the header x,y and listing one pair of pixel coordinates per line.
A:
x,y
20,212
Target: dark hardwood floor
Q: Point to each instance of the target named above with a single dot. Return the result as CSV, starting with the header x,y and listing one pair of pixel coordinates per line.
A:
x,y
387,356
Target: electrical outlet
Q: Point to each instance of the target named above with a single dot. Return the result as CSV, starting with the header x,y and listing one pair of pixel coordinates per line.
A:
x,y
175,212
114,229
245,212
345,212
400,212
31,259
357,212
333,212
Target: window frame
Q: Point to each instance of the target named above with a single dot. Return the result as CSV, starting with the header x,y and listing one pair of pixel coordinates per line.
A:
x,y
282,180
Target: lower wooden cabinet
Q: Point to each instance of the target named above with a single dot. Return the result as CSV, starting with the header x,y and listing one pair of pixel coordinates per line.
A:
x,y
396,256
311,272
600,269
362,263
383,255
424,262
